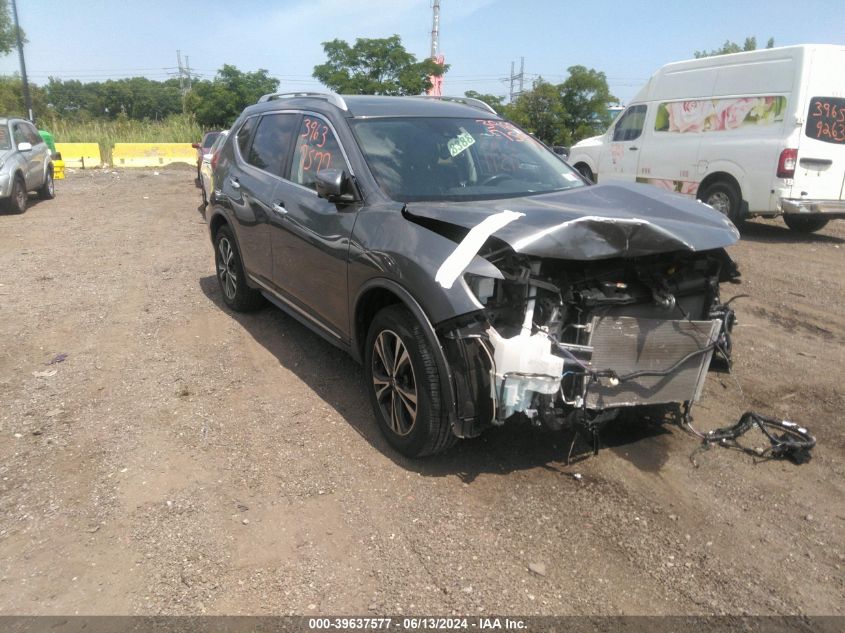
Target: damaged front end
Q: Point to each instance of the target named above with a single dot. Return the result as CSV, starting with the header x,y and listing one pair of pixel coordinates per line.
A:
x,y
564,342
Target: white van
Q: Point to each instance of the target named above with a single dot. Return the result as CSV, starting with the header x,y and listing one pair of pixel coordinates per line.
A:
x,y
760,133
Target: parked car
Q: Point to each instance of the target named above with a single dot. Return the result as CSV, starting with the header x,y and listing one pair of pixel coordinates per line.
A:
x,y
476,275
760,133
26,165
203,148
207,168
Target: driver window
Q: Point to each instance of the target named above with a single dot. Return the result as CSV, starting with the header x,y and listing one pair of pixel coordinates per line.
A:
x,y
630,124
316,149
19,135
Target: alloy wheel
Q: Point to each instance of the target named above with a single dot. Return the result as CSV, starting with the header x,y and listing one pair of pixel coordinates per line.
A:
x,y
394,382
226,268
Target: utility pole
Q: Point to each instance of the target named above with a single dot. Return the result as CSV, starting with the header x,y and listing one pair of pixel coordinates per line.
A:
x,y
520,77
27,99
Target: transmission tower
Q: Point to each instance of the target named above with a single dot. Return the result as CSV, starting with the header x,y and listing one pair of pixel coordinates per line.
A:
x,y
520,77
436,80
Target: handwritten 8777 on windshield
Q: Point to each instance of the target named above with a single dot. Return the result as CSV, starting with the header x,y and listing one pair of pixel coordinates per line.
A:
x,y
418,624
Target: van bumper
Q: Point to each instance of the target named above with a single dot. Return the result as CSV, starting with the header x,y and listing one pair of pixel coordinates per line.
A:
x,y
827,208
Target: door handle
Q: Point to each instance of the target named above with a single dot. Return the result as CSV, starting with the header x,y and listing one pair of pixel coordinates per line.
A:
x,y
235,184
633,148
280,209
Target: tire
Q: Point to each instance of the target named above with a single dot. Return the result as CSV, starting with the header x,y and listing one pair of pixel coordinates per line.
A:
x,y
805,224
585,171
415,429
725,198
48,189
230,274
16,202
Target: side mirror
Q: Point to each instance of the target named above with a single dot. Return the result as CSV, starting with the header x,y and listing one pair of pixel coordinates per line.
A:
x,y
195,145
334,185
24,147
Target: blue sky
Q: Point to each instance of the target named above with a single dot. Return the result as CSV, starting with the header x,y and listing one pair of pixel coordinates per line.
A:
x,y
94,40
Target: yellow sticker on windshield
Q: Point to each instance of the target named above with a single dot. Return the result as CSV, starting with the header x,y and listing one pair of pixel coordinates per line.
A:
x,y
459,144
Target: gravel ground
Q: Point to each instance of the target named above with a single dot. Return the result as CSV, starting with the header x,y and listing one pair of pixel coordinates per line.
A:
x,y
182,459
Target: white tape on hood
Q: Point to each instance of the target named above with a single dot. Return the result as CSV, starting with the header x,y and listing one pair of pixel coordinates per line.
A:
x,y
461,257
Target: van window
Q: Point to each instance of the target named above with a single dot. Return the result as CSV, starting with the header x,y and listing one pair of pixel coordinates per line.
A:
x,y
826,120
630,124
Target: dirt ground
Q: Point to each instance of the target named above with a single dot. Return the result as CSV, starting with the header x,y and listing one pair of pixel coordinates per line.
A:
x,y
183,459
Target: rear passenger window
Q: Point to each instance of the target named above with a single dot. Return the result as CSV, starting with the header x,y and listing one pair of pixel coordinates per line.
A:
x,y
245,133
272,142
316,149
630,124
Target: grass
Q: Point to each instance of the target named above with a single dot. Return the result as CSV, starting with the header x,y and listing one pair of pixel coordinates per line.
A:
x,y
175,129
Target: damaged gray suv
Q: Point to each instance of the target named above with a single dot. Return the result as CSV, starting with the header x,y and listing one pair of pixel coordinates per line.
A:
x,y
475,275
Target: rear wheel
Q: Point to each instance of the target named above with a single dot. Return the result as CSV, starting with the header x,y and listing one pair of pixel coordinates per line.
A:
x,y
805,223
230,274
725,198
48,189
404,385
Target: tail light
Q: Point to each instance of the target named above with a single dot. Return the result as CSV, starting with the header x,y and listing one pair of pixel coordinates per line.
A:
x,y
786,163
216,154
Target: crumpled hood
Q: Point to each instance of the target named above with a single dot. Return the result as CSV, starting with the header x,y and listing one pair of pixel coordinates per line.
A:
x,y
595,222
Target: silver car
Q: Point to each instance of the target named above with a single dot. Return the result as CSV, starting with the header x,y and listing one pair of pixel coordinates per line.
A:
x,y
25,165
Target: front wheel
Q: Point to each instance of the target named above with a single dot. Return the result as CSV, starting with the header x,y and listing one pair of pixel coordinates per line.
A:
x,y
585,171
805,223
404,385
16,202
725,198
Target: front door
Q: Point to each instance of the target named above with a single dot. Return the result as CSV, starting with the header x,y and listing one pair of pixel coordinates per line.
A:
x,y
311,235
620,156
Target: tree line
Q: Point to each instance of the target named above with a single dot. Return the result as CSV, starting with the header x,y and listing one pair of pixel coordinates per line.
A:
x,y
557,114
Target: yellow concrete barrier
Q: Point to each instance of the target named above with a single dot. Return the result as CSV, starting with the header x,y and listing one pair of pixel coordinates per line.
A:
x,y
152,154
83,155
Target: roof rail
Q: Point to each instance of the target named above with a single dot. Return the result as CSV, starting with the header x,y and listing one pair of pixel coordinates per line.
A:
x,y
470,101
331,97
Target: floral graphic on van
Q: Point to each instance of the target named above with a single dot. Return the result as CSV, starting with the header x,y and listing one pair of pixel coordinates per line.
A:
x,y
686,187
712,115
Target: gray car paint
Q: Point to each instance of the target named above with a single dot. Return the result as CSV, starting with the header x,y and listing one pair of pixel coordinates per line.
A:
x,y
378,243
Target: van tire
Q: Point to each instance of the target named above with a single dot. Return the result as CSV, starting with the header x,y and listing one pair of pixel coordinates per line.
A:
x,y
725,198
585,171
805,223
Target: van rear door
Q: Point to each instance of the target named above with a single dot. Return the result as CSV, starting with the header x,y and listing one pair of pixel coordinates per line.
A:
x,y
820,164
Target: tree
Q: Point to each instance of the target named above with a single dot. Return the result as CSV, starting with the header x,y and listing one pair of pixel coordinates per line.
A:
x,y
492,100
732,47
8,41
565,113
217,103
11,98
585,97
540,111
375,67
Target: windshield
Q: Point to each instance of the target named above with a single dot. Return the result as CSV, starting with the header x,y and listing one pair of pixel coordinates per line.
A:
x,y
5,141
417,158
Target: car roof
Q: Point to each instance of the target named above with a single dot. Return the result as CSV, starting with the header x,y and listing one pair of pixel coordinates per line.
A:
x,y
368,106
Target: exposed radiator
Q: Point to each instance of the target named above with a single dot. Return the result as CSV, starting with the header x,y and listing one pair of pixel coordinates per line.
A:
x,y
628,344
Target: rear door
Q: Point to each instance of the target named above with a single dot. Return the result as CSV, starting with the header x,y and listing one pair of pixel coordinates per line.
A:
x,y
262,143
820,171
619,159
